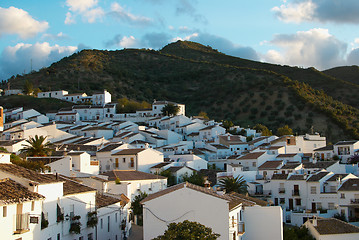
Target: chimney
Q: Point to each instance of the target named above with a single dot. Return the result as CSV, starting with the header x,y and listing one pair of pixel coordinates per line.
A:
x,y
315,221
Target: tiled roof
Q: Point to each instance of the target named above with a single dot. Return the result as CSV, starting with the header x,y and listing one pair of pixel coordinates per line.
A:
x,y
319,164
27,173
350,185
160,165
130,175
74,187
181,186
288,155
245,200
326,148
329,226
97,128
131,151
279,176
105,200
257,140
346,142
219,146
297,177
270,165
110,147
12,192
254,155
290,165
79,147
336,176
174,169
10,143
317,177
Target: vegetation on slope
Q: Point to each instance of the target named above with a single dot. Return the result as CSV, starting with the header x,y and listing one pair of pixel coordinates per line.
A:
x,y
225,87
347,73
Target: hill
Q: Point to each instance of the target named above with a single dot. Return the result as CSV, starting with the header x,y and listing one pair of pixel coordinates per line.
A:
x,y
347,73
227,88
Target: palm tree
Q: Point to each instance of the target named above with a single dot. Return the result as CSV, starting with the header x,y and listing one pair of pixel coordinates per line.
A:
x,y
230,184
38,147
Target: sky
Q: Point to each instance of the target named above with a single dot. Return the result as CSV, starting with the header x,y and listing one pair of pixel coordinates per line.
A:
x,y
303,33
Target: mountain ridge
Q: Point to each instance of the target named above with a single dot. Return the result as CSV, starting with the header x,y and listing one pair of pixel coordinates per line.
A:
x,y
226,87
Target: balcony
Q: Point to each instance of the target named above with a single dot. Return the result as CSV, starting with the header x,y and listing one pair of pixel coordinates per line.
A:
x,y
22,223
295,193
281,190
354,201
241,228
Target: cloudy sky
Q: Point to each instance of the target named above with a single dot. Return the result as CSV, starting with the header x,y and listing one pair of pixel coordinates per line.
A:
x,y
319,33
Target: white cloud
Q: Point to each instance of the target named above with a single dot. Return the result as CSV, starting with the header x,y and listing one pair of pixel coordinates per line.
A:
x,y
123,42
121,14
88,9
54,37
16,59
17,21
345,11
80,5
295,12
316,47
69,18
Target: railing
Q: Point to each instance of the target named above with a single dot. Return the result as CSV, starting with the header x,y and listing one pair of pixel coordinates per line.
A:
x,y
354,201
295,193
241,227
22,223
281,190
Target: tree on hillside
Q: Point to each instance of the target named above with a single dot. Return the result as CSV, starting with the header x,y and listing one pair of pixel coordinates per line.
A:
x,y
230,184
170,110
38,147
286,130
28,88
263,129
188,230
203,114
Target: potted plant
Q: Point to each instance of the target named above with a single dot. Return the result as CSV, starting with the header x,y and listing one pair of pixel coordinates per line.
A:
x,y
92,219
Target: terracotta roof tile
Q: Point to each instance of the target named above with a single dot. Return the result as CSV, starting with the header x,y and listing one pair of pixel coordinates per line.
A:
x,y
254,155
326,226
270,165
130,175
132,151
105,200
12,192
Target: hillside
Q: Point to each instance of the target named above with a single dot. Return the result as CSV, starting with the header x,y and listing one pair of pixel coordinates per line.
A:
x,y
227,88
347,73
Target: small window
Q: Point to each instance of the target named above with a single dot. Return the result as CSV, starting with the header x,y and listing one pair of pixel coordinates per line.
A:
x,y
313,190
115,217
32,205
282,200
101,223
58,236
4,211
108,223
254,164
124,160
342,195
298,202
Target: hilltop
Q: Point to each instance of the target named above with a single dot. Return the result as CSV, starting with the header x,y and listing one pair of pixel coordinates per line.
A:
x,y
347,73
227,88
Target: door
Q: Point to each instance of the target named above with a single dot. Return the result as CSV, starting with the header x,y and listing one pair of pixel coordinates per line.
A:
x,y
296,190
291,203
314,207
275,201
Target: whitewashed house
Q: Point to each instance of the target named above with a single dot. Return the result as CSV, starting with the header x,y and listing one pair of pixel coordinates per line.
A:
x,y
234,217
345,149
53,94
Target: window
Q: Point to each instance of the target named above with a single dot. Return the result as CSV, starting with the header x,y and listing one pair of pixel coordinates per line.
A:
x,y
132,162
4,211
90,236
124,160
282,200
342,195
115,217
101,223
298,201
319,205
108,223
254,164
313,190
58,236
330,206
32,205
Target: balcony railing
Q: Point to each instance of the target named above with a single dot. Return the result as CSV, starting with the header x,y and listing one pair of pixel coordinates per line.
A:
x,y
295,193
22,223
354,201
241,228
281,190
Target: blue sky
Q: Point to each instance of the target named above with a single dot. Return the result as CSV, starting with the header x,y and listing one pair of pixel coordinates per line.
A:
x,y
319,33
